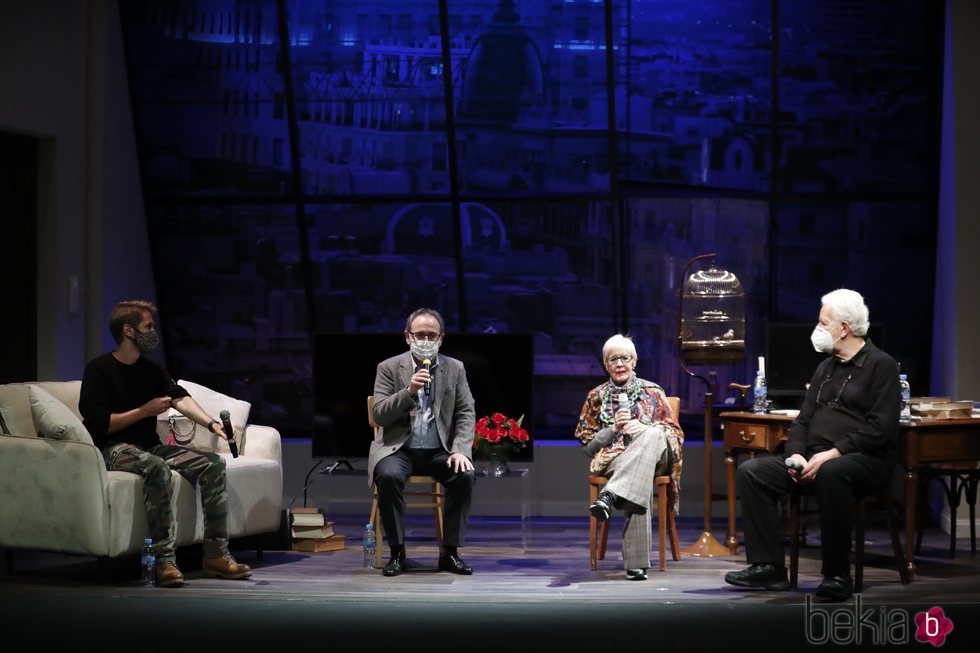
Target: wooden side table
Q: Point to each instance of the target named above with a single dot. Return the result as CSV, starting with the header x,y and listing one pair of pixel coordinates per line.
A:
x,y
750,433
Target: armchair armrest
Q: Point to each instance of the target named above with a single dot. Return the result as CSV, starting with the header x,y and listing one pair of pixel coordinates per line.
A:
x,y
262,442
54,495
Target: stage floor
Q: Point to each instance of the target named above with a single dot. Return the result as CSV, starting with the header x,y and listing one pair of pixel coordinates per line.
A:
x,y
544,596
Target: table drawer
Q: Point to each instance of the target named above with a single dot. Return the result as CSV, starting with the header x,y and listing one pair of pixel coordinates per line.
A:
x,y
744,435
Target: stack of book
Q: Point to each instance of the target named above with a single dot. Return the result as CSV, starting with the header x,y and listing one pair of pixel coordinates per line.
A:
x,y
312,532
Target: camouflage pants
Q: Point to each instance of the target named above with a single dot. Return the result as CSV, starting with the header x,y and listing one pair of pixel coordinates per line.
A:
x,y
154,466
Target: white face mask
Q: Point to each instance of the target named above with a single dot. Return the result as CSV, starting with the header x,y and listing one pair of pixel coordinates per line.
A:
x,y
424,349
822,341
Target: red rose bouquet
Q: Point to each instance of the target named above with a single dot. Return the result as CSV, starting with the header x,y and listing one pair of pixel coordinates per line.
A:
x,y
498,435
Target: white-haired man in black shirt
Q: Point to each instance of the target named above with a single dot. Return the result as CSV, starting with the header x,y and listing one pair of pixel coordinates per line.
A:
x,y
845,440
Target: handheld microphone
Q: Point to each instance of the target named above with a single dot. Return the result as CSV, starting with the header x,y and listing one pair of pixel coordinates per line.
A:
x,y
427,365
794,464
229,432
623,401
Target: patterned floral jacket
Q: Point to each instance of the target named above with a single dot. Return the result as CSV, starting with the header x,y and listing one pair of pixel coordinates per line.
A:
x,y
652,408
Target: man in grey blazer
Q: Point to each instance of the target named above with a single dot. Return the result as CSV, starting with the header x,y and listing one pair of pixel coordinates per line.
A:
x,y
424,407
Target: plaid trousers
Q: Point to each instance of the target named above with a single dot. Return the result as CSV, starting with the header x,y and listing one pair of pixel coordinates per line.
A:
x,y
631,476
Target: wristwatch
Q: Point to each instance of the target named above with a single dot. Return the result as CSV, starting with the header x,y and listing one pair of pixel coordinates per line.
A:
x,y
213,421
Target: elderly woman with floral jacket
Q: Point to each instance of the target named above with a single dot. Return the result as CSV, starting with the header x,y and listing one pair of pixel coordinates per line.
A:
x,y
628,429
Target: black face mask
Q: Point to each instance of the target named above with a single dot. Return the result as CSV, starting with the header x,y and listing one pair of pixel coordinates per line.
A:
x,y
146,341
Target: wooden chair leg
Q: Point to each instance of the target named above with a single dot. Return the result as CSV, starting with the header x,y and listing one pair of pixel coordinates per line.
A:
x,y
603,539
675,547
437,512
892,513
378,530
794,539
593,529
662,519
860,517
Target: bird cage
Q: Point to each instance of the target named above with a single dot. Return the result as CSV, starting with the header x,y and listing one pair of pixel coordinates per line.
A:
x,y
712,318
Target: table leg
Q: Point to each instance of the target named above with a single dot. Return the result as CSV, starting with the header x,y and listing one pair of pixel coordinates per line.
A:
x,y
732,540
911,478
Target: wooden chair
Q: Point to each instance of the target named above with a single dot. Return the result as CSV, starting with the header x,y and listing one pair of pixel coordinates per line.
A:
x,y
963,479
666,521
885,500
433,496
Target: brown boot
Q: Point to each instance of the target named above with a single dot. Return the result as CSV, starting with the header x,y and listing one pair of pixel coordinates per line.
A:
x,y
225,567
168,575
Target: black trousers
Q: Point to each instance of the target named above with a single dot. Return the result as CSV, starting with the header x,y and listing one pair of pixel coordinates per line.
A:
x,y
390,476
763,481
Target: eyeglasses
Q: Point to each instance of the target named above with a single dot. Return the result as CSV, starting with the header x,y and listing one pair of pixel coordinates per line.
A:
x,y
833,403
427,336
616,360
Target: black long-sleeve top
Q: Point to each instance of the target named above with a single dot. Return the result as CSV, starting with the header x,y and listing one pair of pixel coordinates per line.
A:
x,y
851,406
110,386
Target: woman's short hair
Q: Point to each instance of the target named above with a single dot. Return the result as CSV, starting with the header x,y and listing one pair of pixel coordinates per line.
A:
x,y
619,341
848,306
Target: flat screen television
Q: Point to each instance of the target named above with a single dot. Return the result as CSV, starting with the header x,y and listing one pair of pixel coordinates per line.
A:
x,y
791,360
499,370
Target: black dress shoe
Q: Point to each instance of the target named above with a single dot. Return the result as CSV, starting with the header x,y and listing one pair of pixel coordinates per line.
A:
x,y
394,567
836,588
636,574
455,564
765,575
603,506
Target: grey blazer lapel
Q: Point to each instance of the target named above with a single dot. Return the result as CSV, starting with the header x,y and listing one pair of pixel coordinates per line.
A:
x,y
406,369
442,382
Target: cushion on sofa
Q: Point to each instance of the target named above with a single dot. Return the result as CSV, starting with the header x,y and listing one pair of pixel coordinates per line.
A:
x,y
67,392
15,410
53,419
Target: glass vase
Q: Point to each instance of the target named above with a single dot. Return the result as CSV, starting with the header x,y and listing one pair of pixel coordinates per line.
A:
x,y
497,463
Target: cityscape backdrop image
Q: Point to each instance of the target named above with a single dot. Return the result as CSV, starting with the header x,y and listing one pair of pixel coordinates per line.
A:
x,y
311,160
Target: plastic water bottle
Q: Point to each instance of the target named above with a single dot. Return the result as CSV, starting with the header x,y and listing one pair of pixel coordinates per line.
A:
x,y
905,414
148,563
760,393
370,546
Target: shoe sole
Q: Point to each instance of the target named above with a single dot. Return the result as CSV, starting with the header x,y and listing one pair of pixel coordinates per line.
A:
x,y
599,512
636,576
171,583
218,574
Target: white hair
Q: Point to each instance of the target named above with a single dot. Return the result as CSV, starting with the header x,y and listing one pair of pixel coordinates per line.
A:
x,y
619,341
848,306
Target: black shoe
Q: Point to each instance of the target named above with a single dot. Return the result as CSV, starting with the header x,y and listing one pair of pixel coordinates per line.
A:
x,y
636,574
395,566
455,564
602,508
836,588
765,575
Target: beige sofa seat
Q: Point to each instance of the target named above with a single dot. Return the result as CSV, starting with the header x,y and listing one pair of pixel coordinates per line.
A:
x,y
58,496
